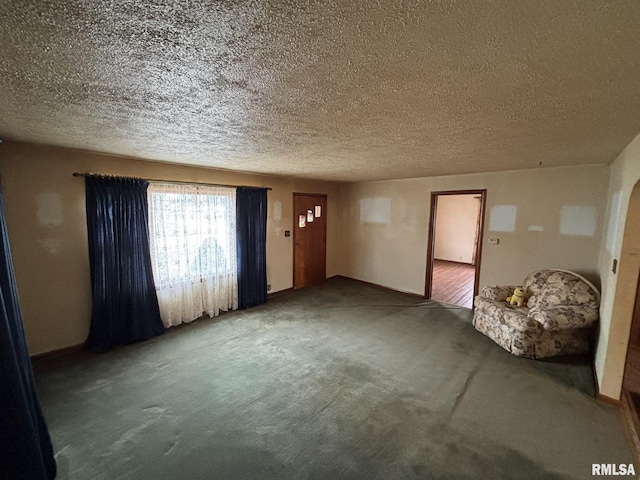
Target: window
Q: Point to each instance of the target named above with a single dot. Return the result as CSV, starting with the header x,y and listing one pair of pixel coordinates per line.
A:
x,y
193,250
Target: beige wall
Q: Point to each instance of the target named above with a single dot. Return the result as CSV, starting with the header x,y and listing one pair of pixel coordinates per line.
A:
x,y
621,241
47,229
393,253
456,224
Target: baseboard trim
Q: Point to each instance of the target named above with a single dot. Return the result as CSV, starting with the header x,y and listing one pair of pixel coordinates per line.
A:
x,y
417,295
286,291
46,357
609,400
600,396
279,293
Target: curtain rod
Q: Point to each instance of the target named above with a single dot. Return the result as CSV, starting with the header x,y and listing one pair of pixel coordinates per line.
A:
x,y
179,182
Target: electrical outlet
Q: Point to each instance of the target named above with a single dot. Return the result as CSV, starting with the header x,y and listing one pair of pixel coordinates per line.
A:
x,y
494,241
268,288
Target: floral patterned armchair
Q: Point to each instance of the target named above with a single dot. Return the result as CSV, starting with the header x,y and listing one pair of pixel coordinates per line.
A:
x,y
559,317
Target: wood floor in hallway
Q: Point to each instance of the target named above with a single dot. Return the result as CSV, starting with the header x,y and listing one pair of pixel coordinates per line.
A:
x,y
453,283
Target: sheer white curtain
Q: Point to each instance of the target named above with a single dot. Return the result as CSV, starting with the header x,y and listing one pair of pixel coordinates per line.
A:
x,y
193,250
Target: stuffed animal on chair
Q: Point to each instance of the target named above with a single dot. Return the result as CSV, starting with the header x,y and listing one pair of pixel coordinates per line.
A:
x,y
518,297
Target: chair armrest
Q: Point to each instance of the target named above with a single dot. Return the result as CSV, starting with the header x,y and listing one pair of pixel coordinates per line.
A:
x,y
518,320
497,293
564,317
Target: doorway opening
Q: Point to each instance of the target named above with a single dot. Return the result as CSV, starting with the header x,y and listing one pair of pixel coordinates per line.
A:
x,y
455,246
309,239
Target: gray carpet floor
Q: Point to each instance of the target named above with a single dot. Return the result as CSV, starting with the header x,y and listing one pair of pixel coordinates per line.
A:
x,y
345,380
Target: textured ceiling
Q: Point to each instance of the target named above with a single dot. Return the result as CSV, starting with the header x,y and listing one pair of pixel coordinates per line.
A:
x,y
334,89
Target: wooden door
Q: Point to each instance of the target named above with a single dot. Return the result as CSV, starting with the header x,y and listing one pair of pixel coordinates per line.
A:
x,y
309,239
630,397
631,379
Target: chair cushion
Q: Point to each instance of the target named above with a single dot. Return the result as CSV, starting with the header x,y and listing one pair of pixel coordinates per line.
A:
x,y
515,318
534,283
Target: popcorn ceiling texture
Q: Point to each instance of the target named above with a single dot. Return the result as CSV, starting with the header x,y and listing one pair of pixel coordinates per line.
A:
x,y
334,89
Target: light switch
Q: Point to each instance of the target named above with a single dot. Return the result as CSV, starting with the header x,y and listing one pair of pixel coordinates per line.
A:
x,y
494,241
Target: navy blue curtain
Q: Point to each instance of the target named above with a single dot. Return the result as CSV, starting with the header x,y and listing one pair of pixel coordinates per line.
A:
x,y
25,446
125,304
251,226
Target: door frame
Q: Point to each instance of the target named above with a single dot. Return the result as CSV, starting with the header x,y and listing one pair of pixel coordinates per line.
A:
x,y
295,230
433,212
